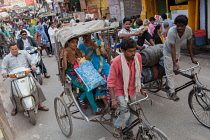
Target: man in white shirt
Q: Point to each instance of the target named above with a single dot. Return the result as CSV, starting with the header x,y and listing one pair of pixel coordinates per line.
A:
x,y
134,34
171,51
19,30
106,20
51,32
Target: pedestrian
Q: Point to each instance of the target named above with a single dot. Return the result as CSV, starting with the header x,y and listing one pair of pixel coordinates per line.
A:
x,y
51,31
146,23
106,20
171,51
152,26
32,29
20,58
46,27
165,19
124,83
158,37
166,27
7,26
6,33
133,22
42,39
19,30
3,44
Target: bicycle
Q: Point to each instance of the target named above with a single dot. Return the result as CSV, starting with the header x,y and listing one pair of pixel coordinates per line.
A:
x,y
198,98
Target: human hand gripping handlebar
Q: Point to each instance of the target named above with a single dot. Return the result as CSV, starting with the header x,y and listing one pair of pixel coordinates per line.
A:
x,y
130,104
183,72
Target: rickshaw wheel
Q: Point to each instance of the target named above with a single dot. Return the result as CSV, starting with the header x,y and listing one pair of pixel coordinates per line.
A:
x,y
63,117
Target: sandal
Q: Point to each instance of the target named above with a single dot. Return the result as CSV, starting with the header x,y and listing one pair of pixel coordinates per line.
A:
x,y
82,104
14,112
131,135
43,108
115,133
174,97
99,111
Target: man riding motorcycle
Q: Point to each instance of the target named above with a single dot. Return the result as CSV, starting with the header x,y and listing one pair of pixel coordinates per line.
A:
x,y
20,58
26,41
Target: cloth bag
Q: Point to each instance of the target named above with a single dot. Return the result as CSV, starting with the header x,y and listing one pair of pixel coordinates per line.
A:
x,y
89,75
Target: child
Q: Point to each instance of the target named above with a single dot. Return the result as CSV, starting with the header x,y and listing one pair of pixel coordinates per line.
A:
x,y
124,82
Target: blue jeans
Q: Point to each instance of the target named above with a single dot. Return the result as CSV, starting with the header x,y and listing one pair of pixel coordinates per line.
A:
x,y
125,117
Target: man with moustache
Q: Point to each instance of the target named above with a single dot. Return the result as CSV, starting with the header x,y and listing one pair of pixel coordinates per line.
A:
x,y
124,83
171,51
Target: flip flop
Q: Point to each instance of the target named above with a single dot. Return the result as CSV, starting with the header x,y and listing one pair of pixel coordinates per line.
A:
x,y
116,134
43,108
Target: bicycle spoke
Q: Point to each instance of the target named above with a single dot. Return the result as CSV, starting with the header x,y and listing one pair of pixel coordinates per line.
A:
x,y
200,105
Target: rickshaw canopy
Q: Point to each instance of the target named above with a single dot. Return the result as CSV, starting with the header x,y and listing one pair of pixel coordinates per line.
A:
x,y
79,29
46,15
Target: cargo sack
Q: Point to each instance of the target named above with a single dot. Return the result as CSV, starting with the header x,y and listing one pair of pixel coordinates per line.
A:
x,y
90,76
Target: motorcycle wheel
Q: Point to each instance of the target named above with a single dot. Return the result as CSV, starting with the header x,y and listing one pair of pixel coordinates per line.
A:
x,y
39,79
31,114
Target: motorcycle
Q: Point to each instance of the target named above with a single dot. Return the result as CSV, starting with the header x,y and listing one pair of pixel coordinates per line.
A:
x,y
33,51
25,92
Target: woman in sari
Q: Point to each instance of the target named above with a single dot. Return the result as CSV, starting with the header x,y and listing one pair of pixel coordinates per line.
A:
x,y
158,37
73,55
95,53
41,39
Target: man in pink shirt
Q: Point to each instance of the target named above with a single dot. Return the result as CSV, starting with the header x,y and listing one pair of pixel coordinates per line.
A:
x,y
124,82
151,25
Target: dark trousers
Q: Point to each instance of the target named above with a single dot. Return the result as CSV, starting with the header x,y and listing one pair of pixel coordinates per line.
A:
x,y
42,67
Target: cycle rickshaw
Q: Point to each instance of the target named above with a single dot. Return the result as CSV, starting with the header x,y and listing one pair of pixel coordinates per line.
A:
x,y
67,107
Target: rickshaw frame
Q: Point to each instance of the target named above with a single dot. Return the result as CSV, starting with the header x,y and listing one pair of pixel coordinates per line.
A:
x,y
71,92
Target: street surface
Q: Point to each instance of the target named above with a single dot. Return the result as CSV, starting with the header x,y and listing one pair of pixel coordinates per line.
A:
x,y
173,118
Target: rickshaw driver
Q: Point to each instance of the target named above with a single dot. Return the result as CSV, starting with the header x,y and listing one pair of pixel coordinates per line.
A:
x,y
124,82
171,51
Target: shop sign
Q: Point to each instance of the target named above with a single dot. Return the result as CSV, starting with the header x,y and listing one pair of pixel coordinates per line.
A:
x,y
93,9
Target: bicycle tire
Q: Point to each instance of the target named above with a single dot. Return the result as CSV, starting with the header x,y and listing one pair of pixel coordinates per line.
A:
x,y
150,133
199,104
61,117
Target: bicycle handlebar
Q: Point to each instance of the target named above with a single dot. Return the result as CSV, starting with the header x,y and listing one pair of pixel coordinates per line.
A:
x,y
180,70
139,100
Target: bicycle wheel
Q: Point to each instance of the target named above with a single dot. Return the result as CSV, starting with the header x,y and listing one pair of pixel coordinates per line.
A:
x,y
147,132
63,117
199,103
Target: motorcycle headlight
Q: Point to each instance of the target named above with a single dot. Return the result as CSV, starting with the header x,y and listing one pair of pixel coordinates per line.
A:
x,y
20,74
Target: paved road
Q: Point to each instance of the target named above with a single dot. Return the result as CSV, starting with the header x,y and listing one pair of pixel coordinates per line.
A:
x,y
173,118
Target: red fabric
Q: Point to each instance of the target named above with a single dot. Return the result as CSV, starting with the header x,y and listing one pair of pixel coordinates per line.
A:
x,y
115,78
155,70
